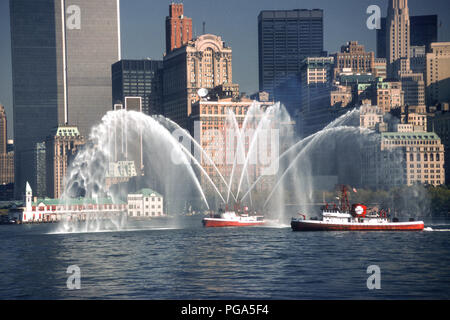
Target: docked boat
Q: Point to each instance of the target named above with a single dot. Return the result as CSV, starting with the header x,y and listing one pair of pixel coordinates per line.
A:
x,y
232,219
353,218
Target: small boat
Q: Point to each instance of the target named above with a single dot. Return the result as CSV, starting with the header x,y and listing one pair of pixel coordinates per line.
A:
x,y
232,219
353,218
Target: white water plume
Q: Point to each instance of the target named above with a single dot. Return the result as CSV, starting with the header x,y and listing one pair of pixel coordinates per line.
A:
x,y
158,162
165,164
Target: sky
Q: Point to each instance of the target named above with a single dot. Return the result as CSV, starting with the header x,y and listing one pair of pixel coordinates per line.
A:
x,y
143,30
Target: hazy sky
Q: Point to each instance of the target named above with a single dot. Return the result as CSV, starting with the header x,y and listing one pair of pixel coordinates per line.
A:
x,y
143,30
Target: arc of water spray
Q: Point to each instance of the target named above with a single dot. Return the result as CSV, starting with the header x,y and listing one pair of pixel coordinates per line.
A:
x,y
315,137
305,140
203,171
233,118
188,153
240,146
111,118
203,152
252,143
341,120
244,128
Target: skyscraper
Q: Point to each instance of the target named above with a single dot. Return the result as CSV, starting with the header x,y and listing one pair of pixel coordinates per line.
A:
x,y
3,130
438,73
423,31
178,28
139,78
285,38
316,84
398,36
6,158
61,66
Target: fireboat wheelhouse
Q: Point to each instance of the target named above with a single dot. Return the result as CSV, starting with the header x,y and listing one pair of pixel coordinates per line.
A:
x,y
353,218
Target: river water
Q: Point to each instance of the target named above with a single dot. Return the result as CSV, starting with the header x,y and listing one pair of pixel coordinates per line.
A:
x,y
187,261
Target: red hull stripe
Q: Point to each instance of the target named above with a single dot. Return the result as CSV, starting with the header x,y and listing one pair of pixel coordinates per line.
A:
x,y
224,223
305,226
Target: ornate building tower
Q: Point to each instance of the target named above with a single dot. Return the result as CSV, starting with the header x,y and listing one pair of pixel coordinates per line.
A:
x,y
178,28
61,148
398,37
202,63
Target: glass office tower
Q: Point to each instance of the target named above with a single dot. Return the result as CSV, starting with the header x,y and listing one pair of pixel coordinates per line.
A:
x,y
139,78
285,38
62,51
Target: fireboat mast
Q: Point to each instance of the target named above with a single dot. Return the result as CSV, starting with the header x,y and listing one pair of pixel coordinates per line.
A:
x,y
345,204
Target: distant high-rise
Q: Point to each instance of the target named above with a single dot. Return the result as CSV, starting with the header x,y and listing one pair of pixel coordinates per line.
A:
x,y
423,31
354,58
316,85
285,38
178,28
6,158
41,170
62,52
418,59
3,130
413,87
139,78
438,73
398,36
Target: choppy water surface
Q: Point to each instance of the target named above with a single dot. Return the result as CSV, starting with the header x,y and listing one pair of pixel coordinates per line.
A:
x,y
191,262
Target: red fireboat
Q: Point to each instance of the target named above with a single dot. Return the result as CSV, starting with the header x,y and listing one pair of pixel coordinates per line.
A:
x,y
226,218
353,218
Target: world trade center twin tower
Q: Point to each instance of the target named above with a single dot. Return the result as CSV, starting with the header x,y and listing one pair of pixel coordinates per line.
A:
x,y
62,52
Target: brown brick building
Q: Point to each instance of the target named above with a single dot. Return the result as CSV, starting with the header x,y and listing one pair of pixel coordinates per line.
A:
x,y
438,73
354,58
178,28
205,62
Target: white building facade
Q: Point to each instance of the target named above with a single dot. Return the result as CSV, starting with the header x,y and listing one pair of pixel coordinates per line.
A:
x,y
145,203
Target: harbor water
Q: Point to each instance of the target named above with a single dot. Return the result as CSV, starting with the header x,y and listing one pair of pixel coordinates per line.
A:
x,y
187,261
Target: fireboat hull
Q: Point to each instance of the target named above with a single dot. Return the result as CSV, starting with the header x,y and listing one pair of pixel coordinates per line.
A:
x,y
305,225
217,222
